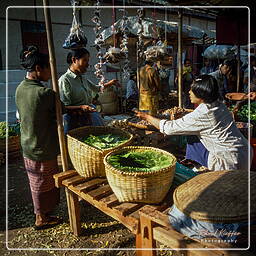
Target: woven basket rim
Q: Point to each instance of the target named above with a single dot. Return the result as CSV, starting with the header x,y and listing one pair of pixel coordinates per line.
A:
x,y
186,199
129,135
142,174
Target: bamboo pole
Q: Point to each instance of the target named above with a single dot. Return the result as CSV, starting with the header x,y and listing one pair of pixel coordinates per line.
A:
x,y
63,148
238,68
180,58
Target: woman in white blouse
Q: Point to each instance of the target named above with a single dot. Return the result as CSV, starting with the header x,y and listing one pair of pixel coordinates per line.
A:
x,y
212,122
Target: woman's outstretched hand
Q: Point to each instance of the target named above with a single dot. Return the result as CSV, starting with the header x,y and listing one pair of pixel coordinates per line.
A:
x,y
112,82
87,108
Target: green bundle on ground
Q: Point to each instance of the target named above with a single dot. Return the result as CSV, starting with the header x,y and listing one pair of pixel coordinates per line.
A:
x,y
13,130
104,141
140,161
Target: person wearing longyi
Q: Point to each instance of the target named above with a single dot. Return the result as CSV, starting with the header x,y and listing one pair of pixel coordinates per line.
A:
x,y
39,137
77,92
212,122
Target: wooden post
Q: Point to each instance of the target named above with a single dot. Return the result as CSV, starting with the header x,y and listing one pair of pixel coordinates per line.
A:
x,y
238,68
180,58
63,148
62,142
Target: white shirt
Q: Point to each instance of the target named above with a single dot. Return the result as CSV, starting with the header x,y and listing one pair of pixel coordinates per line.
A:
x,y
214,125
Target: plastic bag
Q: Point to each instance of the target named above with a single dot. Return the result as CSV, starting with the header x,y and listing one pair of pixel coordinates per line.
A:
x,y
76,39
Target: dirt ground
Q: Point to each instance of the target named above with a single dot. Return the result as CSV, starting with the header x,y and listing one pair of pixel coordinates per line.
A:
x,y
101,235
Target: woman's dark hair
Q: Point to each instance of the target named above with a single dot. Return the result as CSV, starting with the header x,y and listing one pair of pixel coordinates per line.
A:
x,y
78,54
206,88
30,57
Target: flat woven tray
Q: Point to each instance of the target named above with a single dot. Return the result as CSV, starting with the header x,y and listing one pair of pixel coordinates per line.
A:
x,y
236,96
217,197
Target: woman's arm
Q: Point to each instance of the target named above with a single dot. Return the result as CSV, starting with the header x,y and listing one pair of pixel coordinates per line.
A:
x,y
85,108
153,120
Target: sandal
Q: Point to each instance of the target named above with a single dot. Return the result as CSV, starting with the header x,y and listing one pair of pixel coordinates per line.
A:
x,y
51,222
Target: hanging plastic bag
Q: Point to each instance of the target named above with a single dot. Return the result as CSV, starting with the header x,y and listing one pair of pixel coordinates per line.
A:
x,y
76,39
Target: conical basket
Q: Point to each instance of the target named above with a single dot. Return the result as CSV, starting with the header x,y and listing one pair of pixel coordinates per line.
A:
x,y
87,160
146,187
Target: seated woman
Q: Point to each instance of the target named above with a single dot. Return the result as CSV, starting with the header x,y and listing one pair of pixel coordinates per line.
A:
x,y
77,92
132,93
212,122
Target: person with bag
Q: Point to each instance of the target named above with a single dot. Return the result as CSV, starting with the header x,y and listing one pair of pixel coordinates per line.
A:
x,y
39,137
77,92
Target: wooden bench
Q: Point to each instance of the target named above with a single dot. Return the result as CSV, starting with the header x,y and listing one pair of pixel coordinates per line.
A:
x,y
150,219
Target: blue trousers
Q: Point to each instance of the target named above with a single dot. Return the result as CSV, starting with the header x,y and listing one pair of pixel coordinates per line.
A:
x,y
196,150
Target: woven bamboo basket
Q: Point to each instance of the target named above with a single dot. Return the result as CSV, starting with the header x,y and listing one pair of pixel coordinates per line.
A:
x,y
217,197
146,187
87,160
13,144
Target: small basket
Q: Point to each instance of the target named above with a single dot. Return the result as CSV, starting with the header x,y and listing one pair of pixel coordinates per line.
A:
x,y
217,197
150,187
13,144
87,160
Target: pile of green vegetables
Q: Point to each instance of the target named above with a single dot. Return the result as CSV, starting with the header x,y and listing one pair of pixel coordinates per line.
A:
x,y
243,113
140,161
104,141
13,130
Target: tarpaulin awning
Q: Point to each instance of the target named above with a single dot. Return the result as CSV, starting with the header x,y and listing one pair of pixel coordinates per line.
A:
x,y
153,28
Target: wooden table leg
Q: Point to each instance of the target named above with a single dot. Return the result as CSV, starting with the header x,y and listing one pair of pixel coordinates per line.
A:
x,y
146,239
74,212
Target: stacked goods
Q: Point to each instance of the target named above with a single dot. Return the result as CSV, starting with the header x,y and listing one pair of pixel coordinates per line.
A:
x,y
140,174
88,145
13,139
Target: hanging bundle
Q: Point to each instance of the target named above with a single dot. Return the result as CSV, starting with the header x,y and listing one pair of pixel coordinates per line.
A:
x,y
124,44
156,52
76,38
98,44
140,14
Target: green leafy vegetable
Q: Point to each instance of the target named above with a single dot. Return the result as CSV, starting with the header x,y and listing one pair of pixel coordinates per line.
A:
x,y
140,161
104,141
13,130
243,113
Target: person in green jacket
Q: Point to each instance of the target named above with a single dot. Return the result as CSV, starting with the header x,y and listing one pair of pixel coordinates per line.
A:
x,y
39,138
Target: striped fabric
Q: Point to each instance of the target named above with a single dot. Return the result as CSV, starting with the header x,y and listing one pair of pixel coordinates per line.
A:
x,y
44,194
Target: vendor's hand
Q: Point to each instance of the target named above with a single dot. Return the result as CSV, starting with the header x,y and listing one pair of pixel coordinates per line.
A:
x,y
87,108
252,95
141,115
112,82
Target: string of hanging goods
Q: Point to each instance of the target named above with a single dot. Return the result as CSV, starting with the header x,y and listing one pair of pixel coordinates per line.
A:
x,y
98,44
76,38
124,43
114,54
140,44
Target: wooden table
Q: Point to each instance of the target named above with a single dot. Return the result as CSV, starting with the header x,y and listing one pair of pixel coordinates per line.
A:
x,y
144,221
98,193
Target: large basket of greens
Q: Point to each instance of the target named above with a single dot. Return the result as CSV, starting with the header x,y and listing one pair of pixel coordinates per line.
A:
x,y
88,145
11,136
140,174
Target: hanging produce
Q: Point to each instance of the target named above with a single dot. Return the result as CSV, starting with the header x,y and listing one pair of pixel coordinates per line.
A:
x,y
140,44
76,38
98,44
124,44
